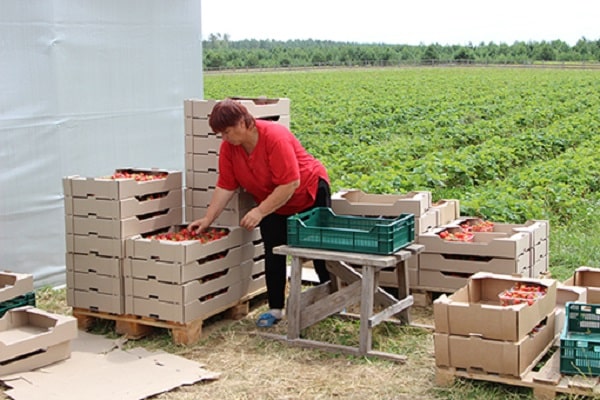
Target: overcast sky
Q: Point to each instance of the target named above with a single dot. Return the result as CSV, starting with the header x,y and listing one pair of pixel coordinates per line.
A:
x,y
403,22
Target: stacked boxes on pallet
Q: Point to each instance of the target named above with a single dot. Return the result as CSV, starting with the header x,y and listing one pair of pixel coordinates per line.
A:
x,y
476,331
16,290
446,265
189,280
100,214
202,169
427,215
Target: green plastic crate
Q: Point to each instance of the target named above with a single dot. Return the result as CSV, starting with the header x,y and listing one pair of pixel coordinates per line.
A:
x,y
27,299
321,228
580,340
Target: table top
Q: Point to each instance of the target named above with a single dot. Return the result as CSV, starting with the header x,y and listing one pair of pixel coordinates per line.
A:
x,y
377,260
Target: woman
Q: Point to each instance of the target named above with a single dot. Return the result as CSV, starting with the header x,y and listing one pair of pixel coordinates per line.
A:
x,y
271,164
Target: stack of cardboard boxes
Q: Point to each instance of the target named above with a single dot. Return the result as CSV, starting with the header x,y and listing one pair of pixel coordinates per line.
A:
x,y
190,280
100,214
427,214
475,330
509,249
445,266
113,264
29,337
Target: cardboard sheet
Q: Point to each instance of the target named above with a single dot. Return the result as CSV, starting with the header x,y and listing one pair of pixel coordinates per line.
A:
x,y
99,369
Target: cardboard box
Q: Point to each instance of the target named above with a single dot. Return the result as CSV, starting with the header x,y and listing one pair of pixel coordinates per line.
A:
x,y
200,127
443,281
390,279
119,189
96,283
14,285
448,210
427,221
187,126
90,300
126,208
590,279
202,162
565,294
490,244
123,228
200,108
183,293
196,309
357,202
258,107
201,180
262,107
96,245
538,230
187,108
475,308
108,266
540,269
494,356
255,282
190,250
469,264
32,338
174,272
209,144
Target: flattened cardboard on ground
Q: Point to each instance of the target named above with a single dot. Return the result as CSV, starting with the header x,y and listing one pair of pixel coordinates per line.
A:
x,y
99,370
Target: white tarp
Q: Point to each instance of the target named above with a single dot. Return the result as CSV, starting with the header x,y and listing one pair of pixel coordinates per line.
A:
x,y
86,87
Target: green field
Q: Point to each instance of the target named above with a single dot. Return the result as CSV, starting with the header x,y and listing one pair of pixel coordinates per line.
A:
x,y
512,144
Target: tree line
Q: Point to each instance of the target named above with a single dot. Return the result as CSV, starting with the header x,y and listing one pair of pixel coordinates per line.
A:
x,y
222,53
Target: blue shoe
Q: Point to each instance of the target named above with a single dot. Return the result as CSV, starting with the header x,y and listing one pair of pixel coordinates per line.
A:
x,y
266,320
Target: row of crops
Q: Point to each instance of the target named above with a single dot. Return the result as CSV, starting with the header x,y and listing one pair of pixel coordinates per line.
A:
x,y
511,144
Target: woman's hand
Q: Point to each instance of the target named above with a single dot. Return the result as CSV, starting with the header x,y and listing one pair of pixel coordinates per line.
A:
x,y
252,219
199,225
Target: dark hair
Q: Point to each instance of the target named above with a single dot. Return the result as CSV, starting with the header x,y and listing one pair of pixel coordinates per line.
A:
x,y
228,113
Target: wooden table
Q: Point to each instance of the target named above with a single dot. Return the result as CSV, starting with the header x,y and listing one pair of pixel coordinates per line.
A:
x,y
355,278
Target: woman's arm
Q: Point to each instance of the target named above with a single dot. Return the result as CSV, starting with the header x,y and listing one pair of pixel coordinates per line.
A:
x,y
276,199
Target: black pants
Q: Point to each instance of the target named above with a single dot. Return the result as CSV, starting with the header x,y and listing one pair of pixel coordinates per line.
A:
x,y
273,229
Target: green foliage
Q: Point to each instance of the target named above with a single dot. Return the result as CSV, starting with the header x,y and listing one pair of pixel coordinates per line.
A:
x,y
222,53
511,144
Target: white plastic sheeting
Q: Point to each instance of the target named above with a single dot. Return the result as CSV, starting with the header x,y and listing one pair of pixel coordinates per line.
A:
x,y
86,87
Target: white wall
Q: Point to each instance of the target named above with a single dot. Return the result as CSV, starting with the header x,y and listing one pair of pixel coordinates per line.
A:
x,y
86,87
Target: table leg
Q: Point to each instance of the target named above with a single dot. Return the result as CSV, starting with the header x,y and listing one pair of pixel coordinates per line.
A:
x,y
366,309
403,289
293,306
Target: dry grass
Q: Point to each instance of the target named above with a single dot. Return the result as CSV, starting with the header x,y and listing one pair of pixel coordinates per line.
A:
x,y
255,367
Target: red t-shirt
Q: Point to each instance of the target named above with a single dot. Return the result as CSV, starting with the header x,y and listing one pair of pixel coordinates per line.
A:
x,y
278,158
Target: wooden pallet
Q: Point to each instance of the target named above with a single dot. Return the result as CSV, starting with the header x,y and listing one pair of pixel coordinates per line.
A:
x,y
546,383
137,327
